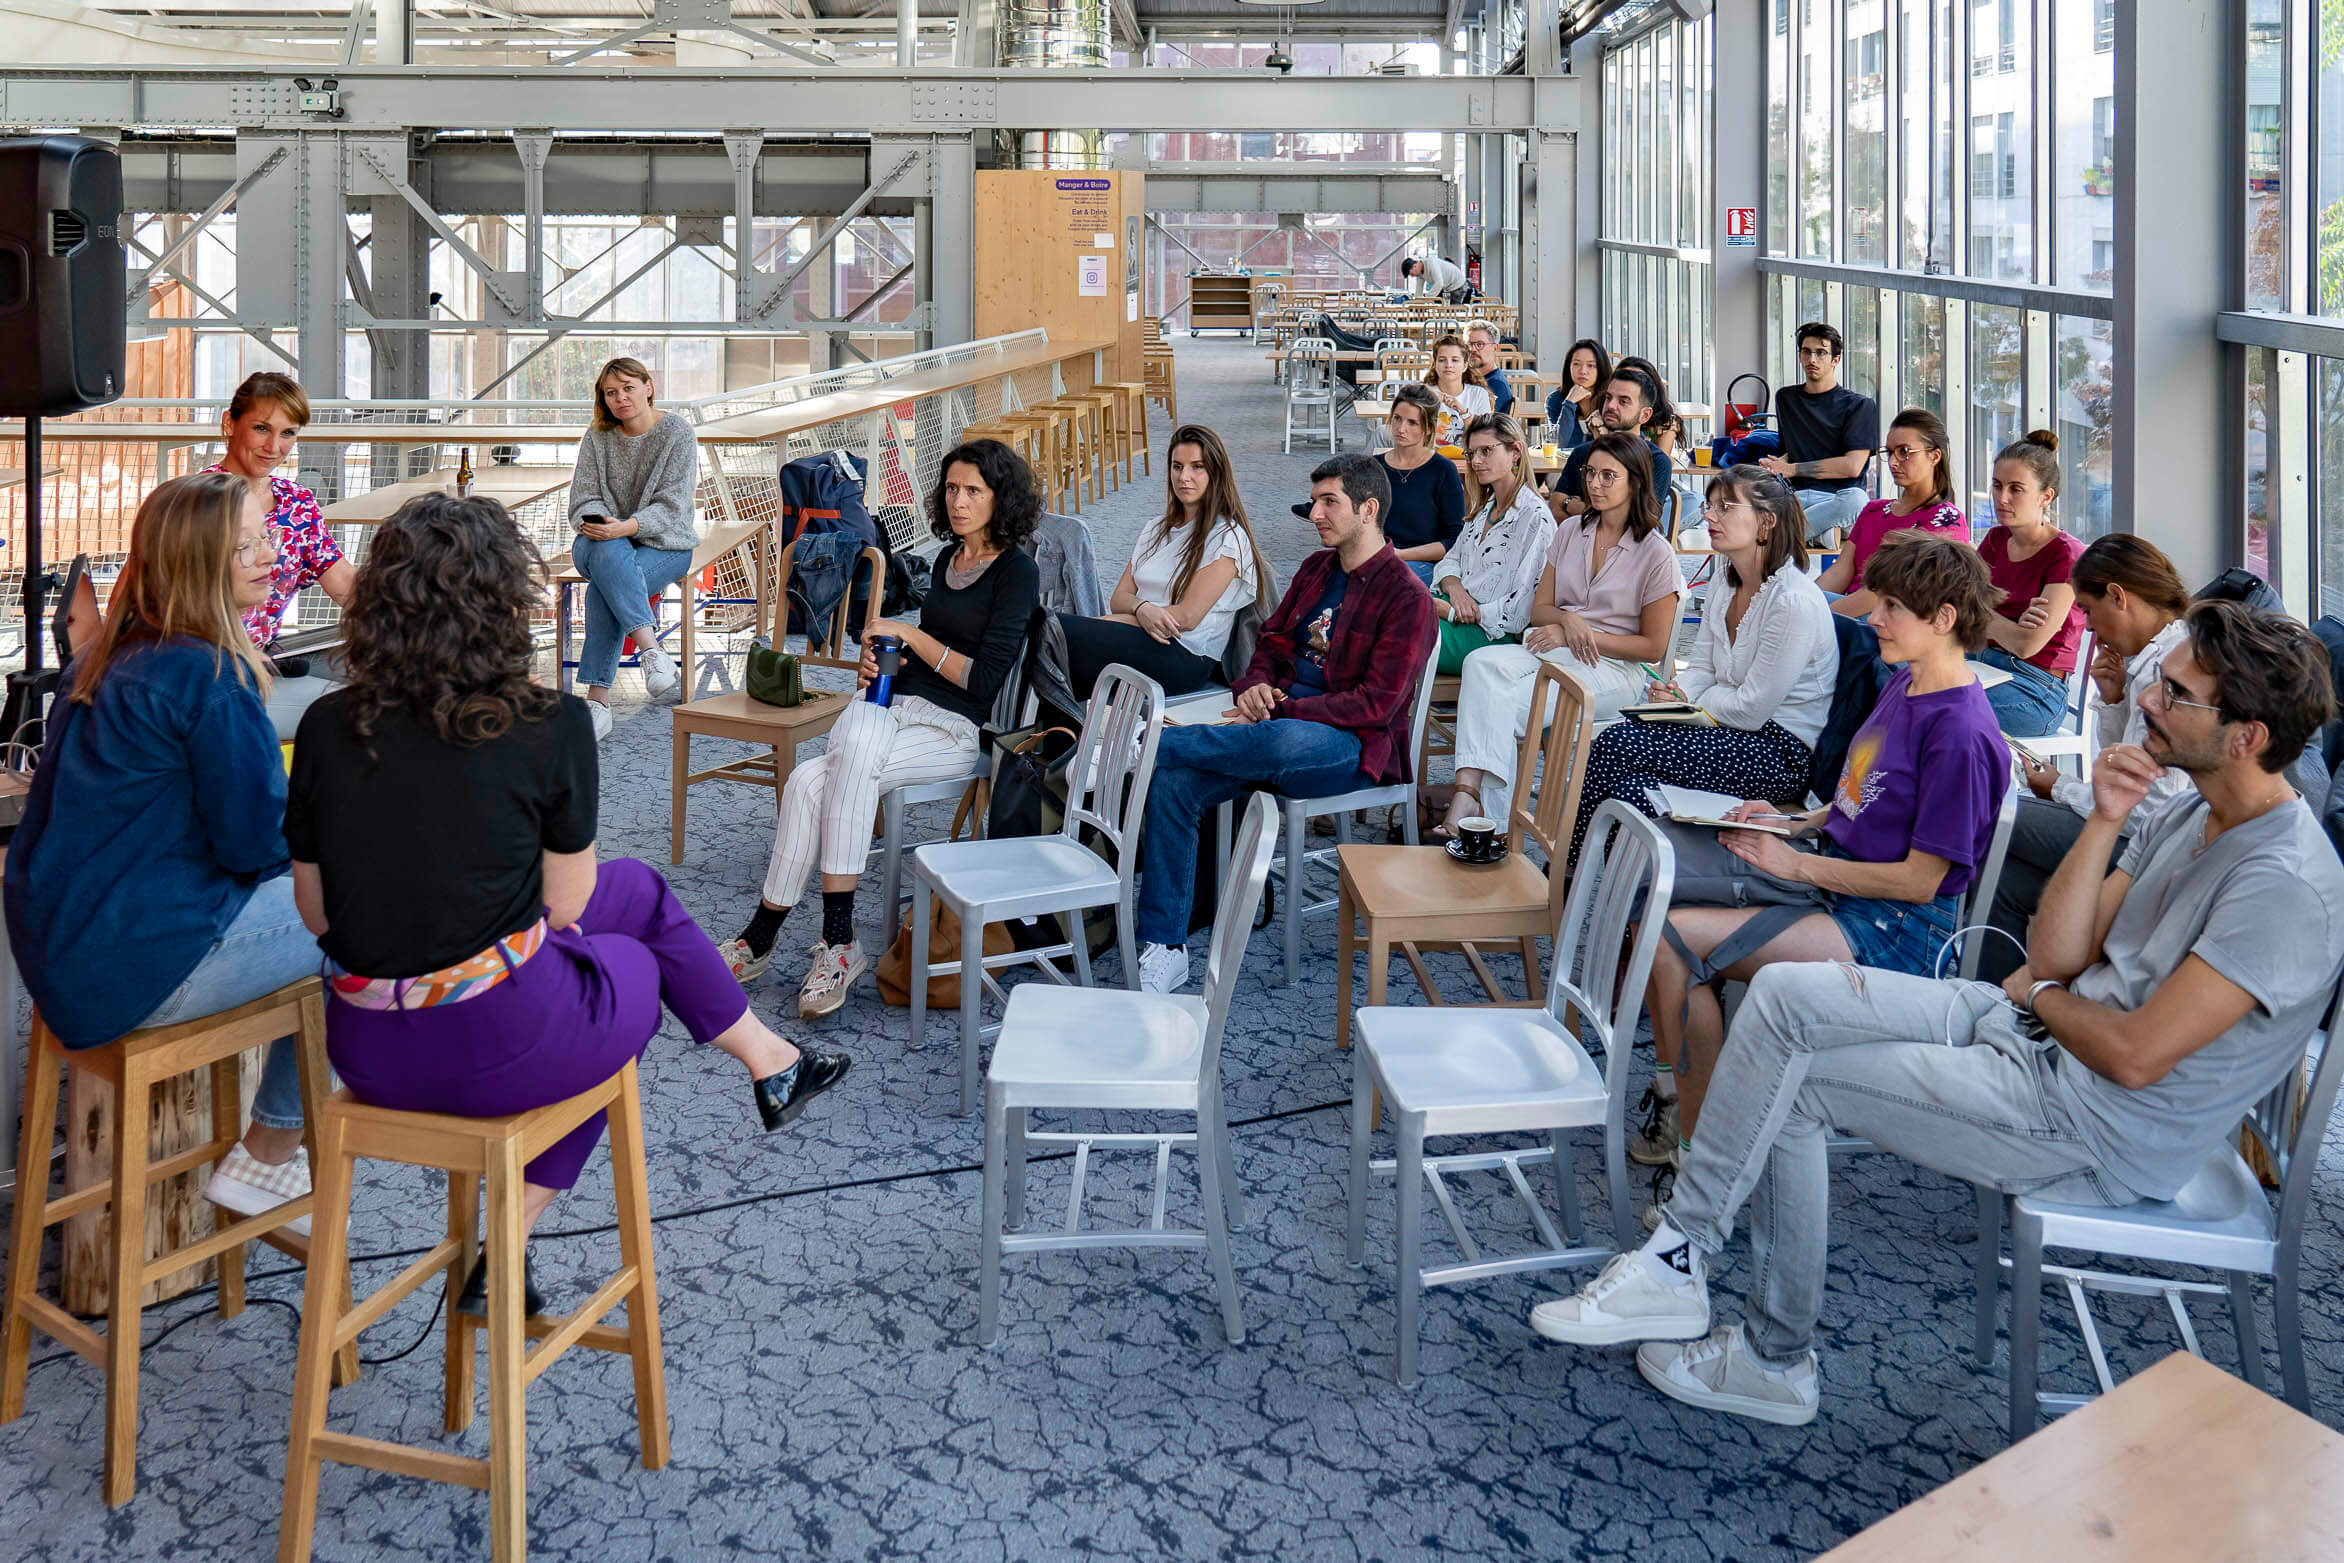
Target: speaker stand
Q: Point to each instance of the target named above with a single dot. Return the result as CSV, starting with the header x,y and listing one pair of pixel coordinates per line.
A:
x,y
35,582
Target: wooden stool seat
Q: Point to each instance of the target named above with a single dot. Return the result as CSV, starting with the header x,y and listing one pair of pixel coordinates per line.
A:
x,y
1133,395
472,1151
134,1066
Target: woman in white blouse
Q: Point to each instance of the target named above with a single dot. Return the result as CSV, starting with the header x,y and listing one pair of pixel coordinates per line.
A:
x,y
1195,569
1485,585
1763,668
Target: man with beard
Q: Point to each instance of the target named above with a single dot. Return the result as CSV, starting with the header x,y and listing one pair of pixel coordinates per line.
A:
x,y
2162,996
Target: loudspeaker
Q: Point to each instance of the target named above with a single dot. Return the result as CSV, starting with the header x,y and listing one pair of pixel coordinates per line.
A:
x,y
63,285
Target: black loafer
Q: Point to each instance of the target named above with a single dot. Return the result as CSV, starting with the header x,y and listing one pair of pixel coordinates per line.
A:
x,y
817,1072
472,1302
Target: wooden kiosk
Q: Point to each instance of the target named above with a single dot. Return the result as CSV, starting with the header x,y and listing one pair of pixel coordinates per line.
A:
x,y
1064,249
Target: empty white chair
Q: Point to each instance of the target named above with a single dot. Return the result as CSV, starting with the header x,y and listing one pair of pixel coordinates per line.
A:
x,y
1312,388
2221,1220
1500,1071
1041,876
1079,1049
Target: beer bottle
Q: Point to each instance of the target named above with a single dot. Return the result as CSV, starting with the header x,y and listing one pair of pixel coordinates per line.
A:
x,y
464,475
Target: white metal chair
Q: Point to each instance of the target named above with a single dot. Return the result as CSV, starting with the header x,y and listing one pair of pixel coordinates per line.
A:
x,y
1077,1049
2078,737
1039,876
1501,1071
2221,1220
1013,708
1311,386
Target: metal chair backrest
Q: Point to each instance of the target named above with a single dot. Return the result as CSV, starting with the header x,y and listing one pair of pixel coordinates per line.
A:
x,y
1107,778
1310,368
1421,713
1561,736
1388,348
829,651
2291,1126
1241,894
1980,900
1620,891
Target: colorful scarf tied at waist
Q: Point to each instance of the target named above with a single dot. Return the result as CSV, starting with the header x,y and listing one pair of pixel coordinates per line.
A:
x,y
466,979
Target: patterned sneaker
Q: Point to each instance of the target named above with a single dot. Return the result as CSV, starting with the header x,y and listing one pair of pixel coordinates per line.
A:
x,y
1720,1374
833,970
1635,1297
746,964
242,1182
1656,1137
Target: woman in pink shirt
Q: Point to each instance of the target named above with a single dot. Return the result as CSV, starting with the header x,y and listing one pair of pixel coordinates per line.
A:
x,y
1920,459
2038,627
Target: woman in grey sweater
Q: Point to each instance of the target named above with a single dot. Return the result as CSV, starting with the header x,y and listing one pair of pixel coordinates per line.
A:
x,y
631,505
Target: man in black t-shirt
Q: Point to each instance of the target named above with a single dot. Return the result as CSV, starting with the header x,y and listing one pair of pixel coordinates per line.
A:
x,y
1828,435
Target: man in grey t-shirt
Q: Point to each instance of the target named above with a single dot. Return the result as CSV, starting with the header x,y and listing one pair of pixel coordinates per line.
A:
x,y
2161,997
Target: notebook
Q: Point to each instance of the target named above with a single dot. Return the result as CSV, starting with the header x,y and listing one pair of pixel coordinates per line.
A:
x,y
1692,806
1683,711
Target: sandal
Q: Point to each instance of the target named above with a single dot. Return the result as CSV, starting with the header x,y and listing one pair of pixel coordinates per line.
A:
x,y
1444,831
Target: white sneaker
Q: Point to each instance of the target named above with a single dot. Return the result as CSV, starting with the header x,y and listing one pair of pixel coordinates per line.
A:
x,y
833,970
1632,1298
600,715
1163,968
661,677
1720,1374
242,1182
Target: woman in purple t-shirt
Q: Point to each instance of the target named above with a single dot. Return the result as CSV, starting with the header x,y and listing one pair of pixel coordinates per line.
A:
x,y
1896,854
1920,459
2038,625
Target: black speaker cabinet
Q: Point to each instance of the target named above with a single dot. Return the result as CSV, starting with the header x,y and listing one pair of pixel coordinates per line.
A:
x,y
62,279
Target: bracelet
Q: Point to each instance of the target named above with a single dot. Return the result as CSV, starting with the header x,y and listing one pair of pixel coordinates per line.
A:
x,y
2036,991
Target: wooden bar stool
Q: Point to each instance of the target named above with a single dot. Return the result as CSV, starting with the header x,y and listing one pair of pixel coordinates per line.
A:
x,y
1134,396
1111,445
470,1150
134,1065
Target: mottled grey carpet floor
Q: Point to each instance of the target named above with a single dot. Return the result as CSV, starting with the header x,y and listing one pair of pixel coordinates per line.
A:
x,y
819,1294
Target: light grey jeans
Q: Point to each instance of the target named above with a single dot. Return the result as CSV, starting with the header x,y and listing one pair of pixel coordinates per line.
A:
x,y
1826,508
1826,1045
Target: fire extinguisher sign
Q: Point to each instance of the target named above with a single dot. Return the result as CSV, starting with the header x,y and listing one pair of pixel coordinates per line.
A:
x,y
1741,226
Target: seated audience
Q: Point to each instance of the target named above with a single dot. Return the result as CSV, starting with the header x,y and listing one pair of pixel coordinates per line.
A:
x,y
982,601
2037,628
1456,386
1606,606
2133,600
1194,571
632,506
1906,831
1489,580
1828,435
2161,998
1481,345
146,884
1573,409
264,419
1428,498
480,961
1763,668
1629,396
1920,463
1323,709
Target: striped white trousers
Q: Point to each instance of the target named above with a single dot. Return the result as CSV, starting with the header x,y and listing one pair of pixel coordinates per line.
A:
x,y
829,802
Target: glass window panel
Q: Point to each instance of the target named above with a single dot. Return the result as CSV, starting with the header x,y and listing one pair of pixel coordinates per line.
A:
x,y
1612,99
2085,399
1810,308
1863,337
2328,294
2266,153
1646,167
1816,89
2328,383
1778,127
1693,118
2258,469
1867,133
1664,165
1996,405
1921,114
2083,152
2001,179
1923,318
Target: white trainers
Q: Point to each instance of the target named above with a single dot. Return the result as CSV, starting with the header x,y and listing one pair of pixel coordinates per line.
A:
x,y
1632,1298
242,1182
1720,1374
661,677
746,964
833,970
1163,968
600,715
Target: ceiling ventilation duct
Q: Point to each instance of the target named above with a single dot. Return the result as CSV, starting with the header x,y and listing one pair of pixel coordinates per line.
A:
x,y
1056,35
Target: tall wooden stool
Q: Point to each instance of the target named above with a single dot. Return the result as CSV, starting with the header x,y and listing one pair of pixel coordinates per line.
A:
x,y
1134,397
470,1150
1111,435
134,1065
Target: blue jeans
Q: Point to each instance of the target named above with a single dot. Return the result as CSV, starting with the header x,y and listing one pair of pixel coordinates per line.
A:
x,y
1421,568
1199,769
1831,507
621,579
263,949
2032,703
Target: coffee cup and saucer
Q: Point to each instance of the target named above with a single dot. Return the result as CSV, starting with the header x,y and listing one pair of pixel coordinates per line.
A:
x,y
1477,843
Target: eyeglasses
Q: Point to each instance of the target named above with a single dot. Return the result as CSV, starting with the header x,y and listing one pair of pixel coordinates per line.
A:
x,y
1903,452
2168,695
247,553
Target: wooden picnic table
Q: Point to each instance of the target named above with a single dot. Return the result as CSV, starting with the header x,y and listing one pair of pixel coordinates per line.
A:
x,y
510,486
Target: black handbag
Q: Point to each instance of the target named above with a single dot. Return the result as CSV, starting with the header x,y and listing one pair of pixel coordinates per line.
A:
x,y
1029,781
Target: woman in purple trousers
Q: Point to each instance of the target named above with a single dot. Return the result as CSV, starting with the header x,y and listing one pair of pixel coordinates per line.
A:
x,y
441,818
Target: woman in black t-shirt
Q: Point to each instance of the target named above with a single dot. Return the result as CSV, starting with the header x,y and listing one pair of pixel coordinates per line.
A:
x,y
441,818
1428,497
983,597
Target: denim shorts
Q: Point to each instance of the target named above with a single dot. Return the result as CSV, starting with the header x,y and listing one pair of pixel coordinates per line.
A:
x,y
1896,935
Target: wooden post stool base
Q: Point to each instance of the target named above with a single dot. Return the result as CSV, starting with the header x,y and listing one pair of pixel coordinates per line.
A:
x,y
134,1065
470,1150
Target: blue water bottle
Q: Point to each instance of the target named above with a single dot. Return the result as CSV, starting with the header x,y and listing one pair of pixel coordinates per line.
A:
x,y
887,652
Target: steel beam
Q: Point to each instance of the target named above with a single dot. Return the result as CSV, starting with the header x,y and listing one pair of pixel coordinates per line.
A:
x,y
1295,187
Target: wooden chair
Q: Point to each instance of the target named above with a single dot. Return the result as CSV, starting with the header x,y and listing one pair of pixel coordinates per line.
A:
x,y
1420,898
134,1066
470,1151
780,728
